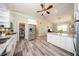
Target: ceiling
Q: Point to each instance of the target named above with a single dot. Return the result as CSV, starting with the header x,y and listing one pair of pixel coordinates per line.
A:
x,y
61,12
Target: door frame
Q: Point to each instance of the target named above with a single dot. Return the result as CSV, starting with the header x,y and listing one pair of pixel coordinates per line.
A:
x,y
18,27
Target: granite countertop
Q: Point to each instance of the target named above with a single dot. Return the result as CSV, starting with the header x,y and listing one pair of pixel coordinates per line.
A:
x,y
5,37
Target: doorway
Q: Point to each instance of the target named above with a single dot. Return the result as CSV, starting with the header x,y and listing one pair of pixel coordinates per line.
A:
x,y
21,31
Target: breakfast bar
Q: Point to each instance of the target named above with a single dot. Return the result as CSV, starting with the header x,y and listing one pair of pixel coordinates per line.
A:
x,y
63,41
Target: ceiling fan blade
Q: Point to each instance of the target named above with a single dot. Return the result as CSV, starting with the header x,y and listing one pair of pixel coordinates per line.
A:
x,y
42,14
50,7
39,11
47,12
42,5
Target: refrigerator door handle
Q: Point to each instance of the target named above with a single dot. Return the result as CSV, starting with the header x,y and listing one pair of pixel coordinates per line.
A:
x,y
77,21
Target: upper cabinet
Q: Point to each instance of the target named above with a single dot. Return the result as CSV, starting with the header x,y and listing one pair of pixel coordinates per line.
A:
x,y
3,11
4,16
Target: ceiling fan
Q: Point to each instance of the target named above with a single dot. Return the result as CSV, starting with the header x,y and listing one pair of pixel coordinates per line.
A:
x,y
45,10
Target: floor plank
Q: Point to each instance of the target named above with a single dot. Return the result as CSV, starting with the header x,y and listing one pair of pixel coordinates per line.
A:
x,y
38,47
60,52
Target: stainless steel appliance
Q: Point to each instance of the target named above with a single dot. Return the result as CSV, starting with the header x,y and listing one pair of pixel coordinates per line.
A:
x,y
31,31
77,37
77,28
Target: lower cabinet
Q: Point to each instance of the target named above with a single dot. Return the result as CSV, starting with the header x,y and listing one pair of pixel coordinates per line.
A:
x,y
9,50
63,42
11,47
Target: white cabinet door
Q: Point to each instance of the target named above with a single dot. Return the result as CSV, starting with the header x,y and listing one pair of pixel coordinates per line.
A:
x,y
12,45
53,39
57,40
63,42
69,45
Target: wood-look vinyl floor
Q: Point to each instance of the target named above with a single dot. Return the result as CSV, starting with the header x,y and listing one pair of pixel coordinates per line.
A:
x,y
38,47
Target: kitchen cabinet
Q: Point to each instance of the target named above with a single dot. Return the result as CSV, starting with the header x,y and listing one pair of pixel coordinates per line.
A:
x,y
4,16
9,46
64,42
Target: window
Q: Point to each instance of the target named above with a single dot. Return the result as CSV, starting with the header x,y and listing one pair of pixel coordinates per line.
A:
x,y
62,27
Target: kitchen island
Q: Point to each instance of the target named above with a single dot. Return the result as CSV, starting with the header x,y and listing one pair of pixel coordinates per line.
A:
x,y
63,41
8,46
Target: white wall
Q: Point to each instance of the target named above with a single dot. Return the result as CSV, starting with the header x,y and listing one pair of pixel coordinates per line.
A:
x,y
41,23
31,21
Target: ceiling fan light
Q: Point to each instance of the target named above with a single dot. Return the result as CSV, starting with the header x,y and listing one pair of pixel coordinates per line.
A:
x,y
44,12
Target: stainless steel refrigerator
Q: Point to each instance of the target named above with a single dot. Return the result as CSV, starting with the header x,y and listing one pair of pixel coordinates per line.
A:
x,y
77,36
31,31
77,28
76,17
